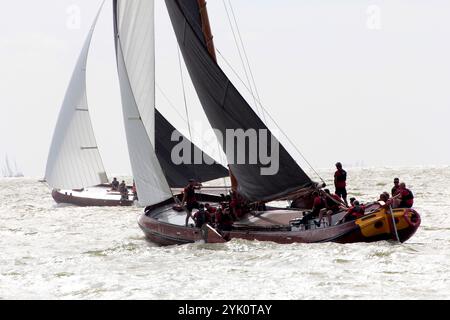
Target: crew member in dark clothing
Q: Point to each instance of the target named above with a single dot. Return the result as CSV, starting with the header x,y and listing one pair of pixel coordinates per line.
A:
x,y
333,205
319,204
224,220
123,191
395,189
201,217
340,182
406,197
115,185
189,198
355,213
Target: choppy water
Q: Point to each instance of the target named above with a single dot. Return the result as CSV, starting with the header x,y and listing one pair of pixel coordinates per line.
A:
x,y
55,252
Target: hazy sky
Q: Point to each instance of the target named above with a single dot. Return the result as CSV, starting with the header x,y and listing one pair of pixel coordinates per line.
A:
x,y
351,80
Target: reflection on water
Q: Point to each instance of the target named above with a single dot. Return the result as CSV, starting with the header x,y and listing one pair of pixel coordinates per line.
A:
x,y
64,252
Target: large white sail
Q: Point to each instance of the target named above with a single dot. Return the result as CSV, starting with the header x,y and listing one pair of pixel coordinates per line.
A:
x,y
134,23
74,160
136,28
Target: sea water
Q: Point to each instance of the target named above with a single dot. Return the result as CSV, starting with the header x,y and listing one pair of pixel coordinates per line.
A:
x,y
49,251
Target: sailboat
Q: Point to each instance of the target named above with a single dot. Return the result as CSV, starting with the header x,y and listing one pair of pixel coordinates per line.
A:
x,y
8,171
75,169
226,109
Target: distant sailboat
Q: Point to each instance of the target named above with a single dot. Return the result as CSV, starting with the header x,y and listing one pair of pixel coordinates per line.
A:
x,y
226,109
8,171
75,169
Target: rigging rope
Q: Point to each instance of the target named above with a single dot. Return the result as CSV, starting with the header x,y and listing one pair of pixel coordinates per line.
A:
x,y
246,57
240,53
186,105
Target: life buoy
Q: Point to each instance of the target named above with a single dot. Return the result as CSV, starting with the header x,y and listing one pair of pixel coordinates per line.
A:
x,y
414,220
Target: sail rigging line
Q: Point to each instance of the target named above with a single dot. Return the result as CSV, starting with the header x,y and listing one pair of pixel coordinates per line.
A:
x,y
246,57
185,99
240,53
394,223
271,118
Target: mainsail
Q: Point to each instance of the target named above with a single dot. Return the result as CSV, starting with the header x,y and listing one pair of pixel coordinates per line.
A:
x,y
74,160
226,109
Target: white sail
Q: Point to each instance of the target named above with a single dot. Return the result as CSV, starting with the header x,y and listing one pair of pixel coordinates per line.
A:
x,y
136,27
136,67
74,160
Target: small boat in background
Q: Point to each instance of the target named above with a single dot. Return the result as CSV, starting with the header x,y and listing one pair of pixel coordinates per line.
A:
x,y
8,171
98,196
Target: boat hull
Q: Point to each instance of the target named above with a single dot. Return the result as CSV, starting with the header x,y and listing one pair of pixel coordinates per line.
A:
x,y
80,201
378,226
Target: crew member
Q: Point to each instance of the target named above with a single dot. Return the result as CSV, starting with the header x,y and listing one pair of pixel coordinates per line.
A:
x,y
123,191
384,197
319,204
395,189
340,182
333,206
115,185
190,199
355,213
201,217
406,197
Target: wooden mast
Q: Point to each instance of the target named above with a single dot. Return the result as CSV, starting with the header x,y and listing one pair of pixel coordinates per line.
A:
x,y
206,28
209,38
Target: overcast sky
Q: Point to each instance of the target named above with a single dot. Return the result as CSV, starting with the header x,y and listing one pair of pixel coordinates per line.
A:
x,y
352,80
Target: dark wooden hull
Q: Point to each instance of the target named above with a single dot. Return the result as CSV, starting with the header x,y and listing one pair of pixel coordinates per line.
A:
x,y
67,198
377,226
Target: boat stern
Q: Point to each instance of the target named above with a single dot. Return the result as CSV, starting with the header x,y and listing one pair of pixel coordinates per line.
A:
x,y
381,225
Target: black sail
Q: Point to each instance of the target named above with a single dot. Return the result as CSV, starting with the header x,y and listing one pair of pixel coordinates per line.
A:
x,y
227,109
178,175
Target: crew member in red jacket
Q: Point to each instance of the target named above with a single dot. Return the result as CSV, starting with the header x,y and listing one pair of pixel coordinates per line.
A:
x,y
340,182
406,197
355,213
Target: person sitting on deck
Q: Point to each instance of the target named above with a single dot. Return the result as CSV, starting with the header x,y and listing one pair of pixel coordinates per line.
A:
x,y
384,197
355,213
201,217
319,204
224,220
190,199
333,206
352,201
115,185
340,182
396,188
406,197
237,206
123,191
